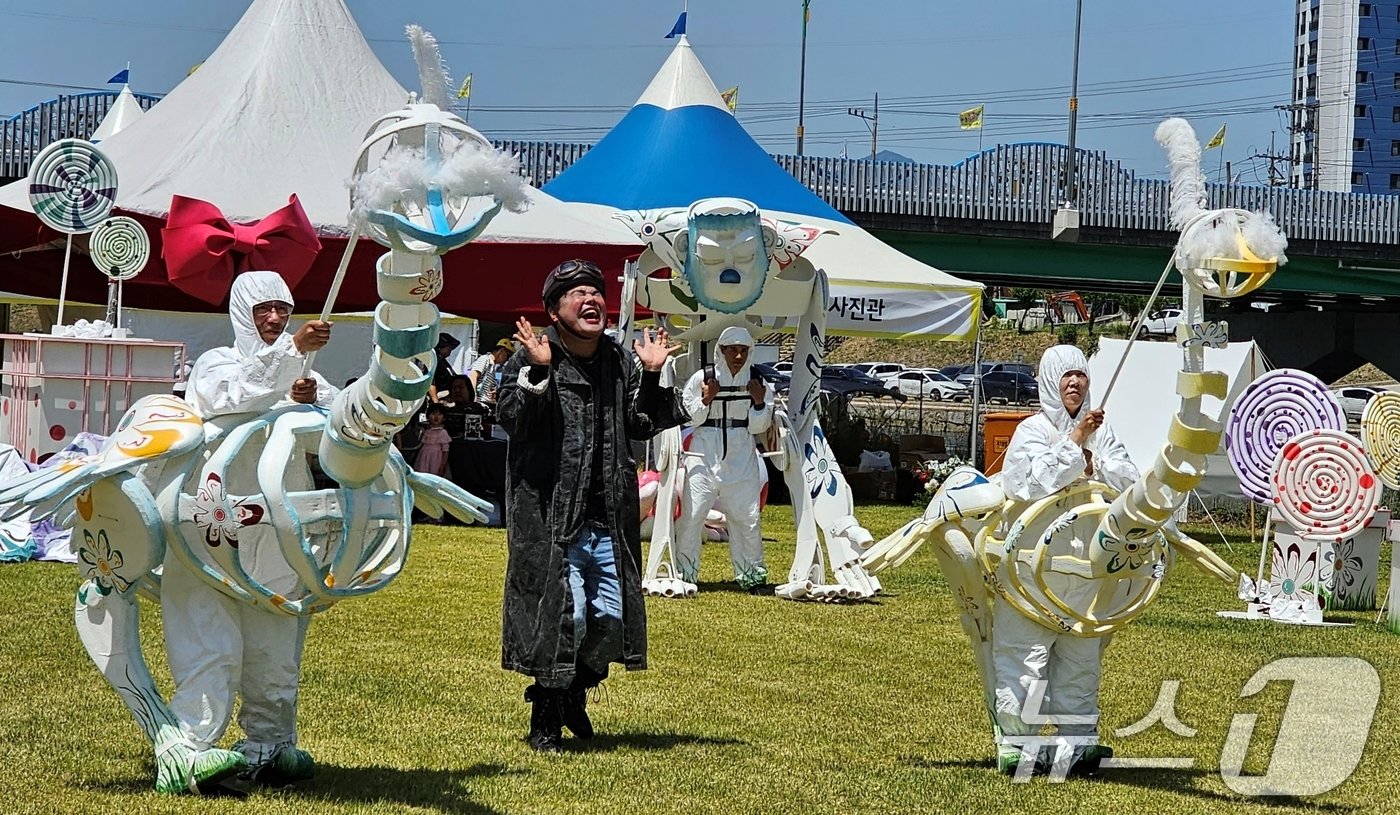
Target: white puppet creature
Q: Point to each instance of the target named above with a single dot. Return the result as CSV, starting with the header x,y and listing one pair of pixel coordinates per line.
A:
x,y
210,506
731,267
1084,544
729,407
1068,442
218,646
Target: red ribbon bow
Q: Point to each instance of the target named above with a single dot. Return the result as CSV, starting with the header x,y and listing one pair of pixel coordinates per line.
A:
x,y
203,250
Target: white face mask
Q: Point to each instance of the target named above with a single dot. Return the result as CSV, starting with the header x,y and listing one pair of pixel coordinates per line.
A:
x,y
250,289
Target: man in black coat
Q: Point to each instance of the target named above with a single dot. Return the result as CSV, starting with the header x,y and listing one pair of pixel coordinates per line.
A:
x,y
572,400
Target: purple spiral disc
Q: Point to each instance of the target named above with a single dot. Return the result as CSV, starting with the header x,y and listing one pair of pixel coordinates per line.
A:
x,y
1274,409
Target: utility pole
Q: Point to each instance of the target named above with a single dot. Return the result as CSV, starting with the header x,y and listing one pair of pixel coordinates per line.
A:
x,y
872,123
802,76
1302,119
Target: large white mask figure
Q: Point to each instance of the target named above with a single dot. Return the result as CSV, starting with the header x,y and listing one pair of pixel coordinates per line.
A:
x,y
731,267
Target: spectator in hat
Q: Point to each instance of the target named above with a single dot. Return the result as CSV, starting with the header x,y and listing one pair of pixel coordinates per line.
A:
x,y
485,372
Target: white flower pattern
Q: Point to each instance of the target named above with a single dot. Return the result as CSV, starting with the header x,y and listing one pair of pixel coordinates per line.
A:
x,y
218,518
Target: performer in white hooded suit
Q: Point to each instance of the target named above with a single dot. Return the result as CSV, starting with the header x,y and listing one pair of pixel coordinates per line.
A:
x,y
728,408
1065,443
216,646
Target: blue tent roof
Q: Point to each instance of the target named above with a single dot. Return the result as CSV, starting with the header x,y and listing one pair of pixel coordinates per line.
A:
x,y
679,144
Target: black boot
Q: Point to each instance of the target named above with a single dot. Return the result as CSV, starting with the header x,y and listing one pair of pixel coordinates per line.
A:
x,y
574,708
545,728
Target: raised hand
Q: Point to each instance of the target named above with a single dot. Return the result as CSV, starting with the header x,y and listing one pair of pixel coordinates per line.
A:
x,y
1091,421
312,336
653,353
536,347
757,392
709,389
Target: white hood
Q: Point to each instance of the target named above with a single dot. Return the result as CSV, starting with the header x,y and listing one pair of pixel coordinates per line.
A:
x,y
250,289
733,335
1057,361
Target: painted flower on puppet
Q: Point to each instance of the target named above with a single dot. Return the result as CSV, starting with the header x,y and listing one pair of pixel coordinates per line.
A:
x,y
726,263
101,562
218,517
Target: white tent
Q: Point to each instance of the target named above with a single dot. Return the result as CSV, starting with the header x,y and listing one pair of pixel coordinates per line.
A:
x,y
286,97
122,114
679,143
280,108
1143,401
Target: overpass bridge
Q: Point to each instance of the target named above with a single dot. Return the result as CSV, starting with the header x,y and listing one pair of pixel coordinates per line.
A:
x,y
1334,307
990,218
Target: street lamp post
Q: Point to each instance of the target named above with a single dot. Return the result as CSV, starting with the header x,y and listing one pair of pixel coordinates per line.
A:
x,y
802,76
1071,191
1066,223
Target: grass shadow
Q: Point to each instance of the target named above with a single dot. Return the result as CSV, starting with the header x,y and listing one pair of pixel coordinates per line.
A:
x,y
444,790
1184,781
607,742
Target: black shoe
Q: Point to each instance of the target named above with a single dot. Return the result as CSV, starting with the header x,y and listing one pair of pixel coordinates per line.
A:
x,y
546,731
574,706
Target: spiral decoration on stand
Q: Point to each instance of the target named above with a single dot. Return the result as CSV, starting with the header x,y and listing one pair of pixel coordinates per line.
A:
x,y
1324,486
1274,409
72,186
120,247
1380,433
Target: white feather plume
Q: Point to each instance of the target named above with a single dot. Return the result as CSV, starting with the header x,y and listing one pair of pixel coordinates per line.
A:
x,y
432,71
401,179
1188,186
1218,236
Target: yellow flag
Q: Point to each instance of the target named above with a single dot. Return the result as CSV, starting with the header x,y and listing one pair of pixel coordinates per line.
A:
x,y
1218,140
465,92
971,119
731,98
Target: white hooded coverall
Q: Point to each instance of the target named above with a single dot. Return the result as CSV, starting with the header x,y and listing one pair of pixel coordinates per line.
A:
x,y
723,467
218,646
1042,460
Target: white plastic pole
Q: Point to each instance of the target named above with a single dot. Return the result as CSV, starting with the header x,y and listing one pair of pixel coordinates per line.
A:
x,y
334,292
63,287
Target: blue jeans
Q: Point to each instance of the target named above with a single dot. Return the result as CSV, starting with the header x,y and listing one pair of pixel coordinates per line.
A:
x,y
597,600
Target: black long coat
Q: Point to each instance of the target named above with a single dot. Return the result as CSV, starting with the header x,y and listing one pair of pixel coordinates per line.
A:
x,y
548,470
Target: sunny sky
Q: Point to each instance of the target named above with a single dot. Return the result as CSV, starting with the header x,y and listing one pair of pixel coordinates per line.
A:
x,y
567,71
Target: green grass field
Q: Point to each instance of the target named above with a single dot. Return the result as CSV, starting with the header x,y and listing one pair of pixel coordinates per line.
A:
x,y
752,704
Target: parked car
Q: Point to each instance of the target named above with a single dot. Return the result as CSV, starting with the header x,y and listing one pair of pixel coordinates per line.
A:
x,y
928,382
852,375
952,371
769,373
782,367
1354,399
965,378
1161,323
1011,387
886,371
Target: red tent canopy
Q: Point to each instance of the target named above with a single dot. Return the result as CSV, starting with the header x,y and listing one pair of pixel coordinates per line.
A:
x,y
485,280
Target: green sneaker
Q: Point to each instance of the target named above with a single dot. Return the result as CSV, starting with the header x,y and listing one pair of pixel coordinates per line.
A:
x,y
287,766
210,767
1008,761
